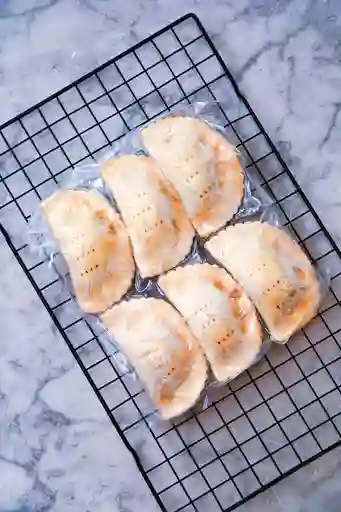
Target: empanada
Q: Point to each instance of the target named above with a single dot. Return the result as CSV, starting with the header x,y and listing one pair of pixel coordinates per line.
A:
x,y
218,313
165,354
202,165
160,232
274,272
95,244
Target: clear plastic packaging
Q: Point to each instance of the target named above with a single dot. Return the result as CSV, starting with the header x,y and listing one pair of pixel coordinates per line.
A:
x,y
255,205
255,200
80,234
40,237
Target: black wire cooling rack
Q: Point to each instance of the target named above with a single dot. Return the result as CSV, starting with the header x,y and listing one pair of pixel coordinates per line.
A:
x,y
282,413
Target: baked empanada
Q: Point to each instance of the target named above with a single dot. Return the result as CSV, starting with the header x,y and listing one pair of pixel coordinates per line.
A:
x,y
203,167
160,232
274,272
165,354
218,313
95,244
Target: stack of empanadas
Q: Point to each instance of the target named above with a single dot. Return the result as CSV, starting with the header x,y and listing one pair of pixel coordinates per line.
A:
x,y
190,185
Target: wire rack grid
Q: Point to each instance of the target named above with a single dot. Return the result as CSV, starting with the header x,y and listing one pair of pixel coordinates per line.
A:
x,y
273,419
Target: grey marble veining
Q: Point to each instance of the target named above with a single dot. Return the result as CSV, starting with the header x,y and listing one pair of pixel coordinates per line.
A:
x,y
285,54
58,450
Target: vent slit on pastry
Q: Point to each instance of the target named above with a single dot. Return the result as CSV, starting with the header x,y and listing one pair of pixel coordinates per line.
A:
x,y
160,232
165,354
274,272
95,245
203,167
218,313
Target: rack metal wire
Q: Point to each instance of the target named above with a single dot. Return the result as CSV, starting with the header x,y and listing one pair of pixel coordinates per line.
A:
x,y
273,419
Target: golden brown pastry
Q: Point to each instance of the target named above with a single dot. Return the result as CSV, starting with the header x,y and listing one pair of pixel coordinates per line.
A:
x,y
274,272
162,349
218,313
160,232
95,244
203,167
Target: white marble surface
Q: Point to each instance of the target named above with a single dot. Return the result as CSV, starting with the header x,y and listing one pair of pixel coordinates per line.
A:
x,y
58,450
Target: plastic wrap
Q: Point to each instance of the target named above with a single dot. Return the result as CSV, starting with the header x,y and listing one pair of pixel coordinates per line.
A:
x,y
255,205
254,202
82,236
40,237
275,272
